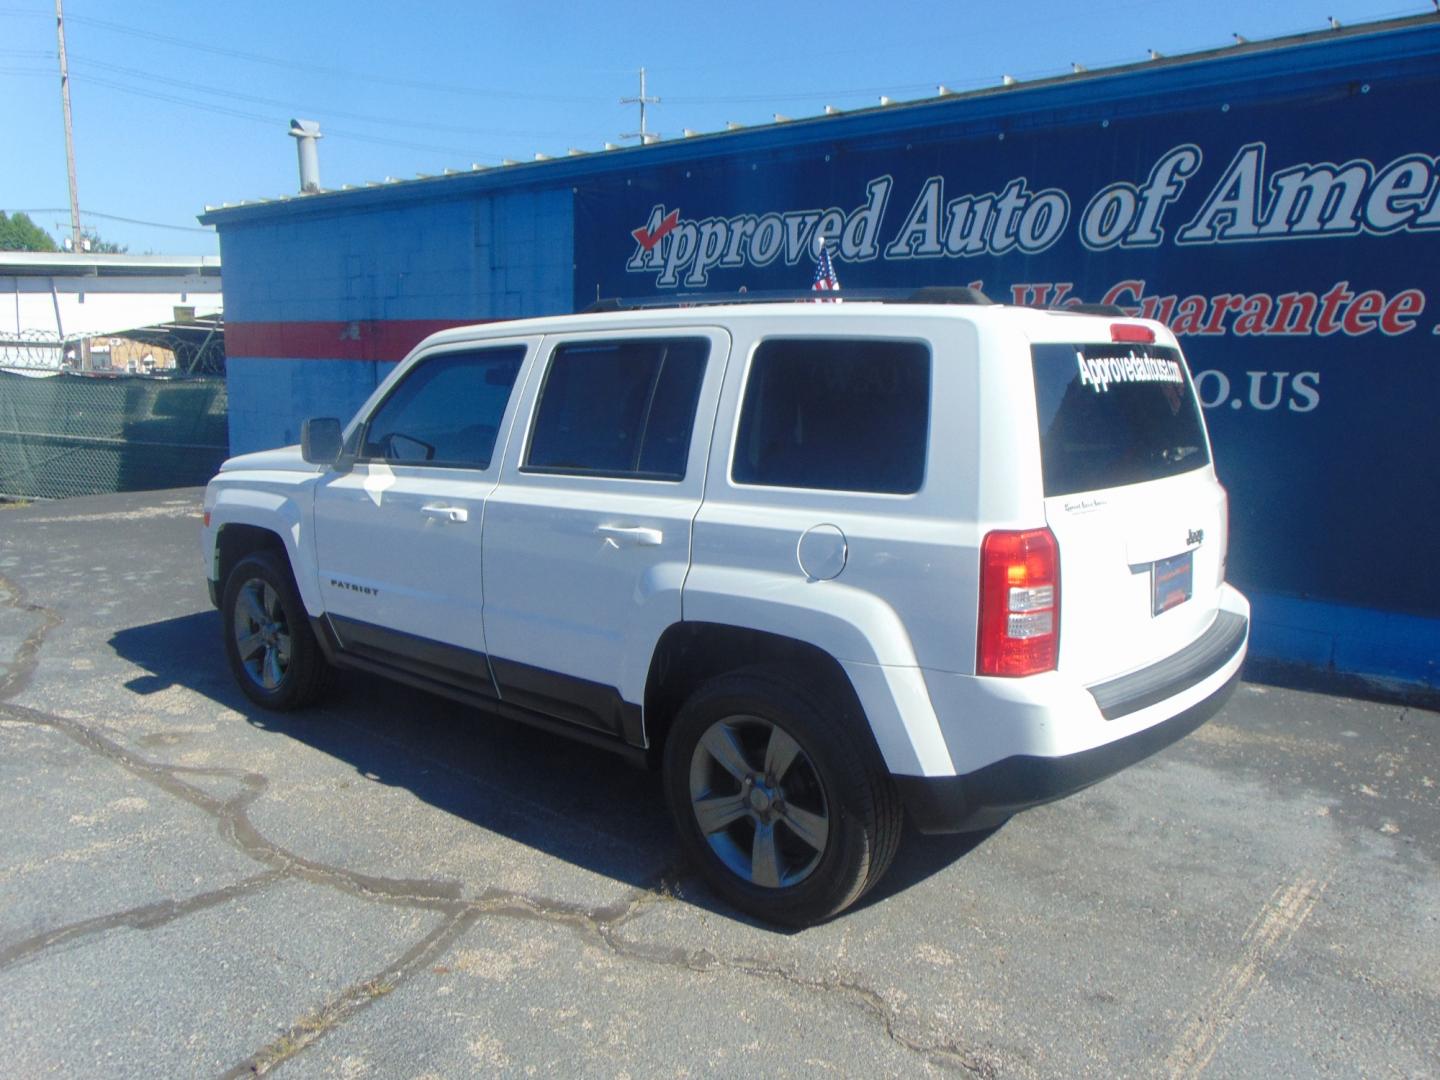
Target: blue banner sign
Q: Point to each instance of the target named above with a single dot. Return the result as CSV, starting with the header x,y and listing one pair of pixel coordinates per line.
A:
x,y
1291,241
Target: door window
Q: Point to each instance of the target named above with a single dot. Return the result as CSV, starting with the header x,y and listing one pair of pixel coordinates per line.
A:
x,y
619,408
446,411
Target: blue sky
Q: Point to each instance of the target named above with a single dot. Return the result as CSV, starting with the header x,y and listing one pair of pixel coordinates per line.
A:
x,y
177,105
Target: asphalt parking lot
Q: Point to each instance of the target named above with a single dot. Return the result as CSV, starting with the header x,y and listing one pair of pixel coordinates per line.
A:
x,y
394,886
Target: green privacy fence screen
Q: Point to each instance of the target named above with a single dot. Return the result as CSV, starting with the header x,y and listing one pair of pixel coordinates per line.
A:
x,y
64,435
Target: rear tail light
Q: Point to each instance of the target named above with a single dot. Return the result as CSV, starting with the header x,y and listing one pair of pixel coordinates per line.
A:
x,y
1019,603
1135,332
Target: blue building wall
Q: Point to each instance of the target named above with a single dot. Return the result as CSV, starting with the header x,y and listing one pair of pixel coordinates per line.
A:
x,y
343,288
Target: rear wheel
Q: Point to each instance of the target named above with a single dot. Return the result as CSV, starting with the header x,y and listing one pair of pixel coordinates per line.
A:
x,y
272,650
775,799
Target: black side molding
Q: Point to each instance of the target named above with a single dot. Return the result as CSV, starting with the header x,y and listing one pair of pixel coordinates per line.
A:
x,y
526,692
1200,659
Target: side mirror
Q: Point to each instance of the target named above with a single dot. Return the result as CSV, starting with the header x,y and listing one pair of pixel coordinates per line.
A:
x,y
320,441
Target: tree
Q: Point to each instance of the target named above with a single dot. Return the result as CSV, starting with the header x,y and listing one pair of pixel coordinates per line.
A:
x,y
19,233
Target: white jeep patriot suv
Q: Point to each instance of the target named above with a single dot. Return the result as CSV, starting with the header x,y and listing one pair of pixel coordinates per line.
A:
x,y
828,565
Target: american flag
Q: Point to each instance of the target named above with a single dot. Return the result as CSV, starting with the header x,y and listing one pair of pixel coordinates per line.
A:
x,y
825,279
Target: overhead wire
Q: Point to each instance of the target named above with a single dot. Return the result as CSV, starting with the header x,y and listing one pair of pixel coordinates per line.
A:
x,y
240,114
290,65
115,217
495,92
367,118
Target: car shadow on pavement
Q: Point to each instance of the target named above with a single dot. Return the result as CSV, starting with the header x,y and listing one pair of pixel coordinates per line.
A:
x,y
570,801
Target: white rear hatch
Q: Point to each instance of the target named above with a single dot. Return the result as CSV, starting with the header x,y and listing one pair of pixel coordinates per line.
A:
x,y
1130,495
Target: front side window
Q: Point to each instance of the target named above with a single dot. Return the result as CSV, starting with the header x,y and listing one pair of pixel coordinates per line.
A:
x,y
619,408
446,411
836,414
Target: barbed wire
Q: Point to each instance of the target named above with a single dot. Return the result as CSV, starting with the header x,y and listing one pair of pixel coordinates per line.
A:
x,y
29,349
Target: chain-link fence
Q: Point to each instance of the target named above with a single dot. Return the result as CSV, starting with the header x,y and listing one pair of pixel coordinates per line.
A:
x,y
63,435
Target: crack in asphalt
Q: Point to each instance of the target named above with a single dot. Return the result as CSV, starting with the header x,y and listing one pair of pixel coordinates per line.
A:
x,y
145,917
310,1028
15,673
600,924
940,1051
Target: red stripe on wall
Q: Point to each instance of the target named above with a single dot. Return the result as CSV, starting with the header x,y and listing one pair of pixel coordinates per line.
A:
x,y
364,339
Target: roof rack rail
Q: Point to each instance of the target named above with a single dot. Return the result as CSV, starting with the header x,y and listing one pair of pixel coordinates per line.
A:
x,y
929,294
1113,310
949,294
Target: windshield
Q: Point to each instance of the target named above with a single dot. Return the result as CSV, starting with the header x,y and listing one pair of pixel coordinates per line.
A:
x,y
1114,414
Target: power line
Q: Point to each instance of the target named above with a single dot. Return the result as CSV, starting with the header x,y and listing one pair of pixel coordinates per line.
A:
x,y
367,118
269,121
115,217
291,64
240,114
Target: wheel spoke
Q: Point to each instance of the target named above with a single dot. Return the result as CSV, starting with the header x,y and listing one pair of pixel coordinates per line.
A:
x,y
272,604
714,814
251,606
780,754
720,743
271,672
282,646
813,829
765,857
249,645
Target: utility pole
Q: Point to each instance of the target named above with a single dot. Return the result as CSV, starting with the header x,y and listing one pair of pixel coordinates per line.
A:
x,y
69,130
86,362
644,134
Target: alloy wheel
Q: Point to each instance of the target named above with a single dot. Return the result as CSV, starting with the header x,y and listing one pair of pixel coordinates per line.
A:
x,y
758,801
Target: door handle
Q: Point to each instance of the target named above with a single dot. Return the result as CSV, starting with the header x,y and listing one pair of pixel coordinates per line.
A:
x,y
446,513
637,535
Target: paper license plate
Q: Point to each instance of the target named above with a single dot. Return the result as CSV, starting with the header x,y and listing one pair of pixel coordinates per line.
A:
x,y
1171,582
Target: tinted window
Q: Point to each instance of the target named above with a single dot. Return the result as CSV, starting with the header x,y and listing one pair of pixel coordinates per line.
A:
x,y
842,415
619,408
1114,414
446,411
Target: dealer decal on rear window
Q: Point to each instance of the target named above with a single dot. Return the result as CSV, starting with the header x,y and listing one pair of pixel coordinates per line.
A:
x,y
1099,372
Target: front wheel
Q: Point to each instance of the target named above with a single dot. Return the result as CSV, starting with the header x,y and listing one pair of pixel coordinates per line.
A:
x,y
775,800
272,650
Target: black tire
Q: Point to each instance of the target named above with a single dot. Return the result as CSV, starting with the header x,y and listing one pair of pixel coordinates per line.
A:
x,y
832,775
283,668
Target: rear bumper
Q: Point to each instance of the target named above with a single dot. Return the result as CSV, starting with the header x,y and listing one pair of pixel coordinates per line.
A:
x,y
986,797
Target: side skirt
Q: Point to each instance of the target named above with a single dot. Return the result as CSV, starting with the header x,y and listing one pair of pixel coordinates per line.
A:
x,y
465,688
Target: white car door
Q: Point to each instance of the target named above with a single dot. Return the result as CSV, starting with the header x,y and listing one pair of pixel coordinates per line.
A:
x,y
397,535
587,536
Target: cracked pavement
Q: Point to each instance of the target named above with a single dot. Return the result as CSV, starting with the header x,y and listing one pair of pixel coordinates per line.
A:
x,y
393,885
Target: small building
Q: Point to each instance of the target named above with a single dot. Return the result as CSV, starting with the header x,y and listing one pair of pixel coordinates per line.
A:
x,y
69,325
55,305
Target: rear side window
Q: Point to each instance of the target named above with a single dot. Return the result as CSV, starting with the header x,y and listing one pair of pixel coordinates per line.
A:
x,y
836,414
1112,415
619,408
446,411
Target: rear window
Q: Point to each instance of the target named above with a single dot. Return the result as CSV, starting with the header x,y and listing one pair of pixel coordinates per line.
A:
x,y
1112,415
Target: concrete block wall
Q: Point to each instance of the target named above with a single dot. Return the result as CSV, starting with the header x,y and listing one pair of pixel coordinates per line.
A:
x,y
319,308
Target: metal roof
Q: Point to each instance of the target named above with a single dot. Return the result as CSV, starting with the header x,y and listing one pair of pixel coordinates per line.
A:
x,y
66,264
